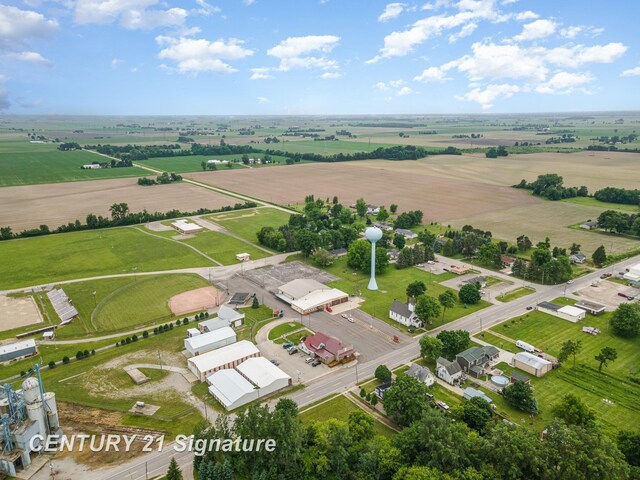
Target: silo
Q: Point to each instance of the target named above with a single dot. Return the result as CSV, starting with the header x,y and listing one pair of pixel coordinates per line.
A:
x,y
35,413
31,390
52,410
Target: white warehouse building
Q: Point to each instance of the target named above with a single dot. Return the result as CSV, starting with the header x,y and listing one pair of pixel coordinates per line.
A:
x,y
567,312
264,375
223,358
205,342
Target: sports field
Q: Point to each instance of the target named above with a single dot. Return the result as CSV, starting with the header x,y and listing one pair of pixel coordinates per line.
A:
x,y
53,258
247,223
223,248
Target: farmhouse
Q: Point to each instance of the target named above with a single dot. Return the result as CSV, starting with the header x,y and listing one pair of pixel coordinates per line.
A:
x,y
327,349
225,357
475,359
408,234
404,313
230,315
589,225
529,363
213,324
591,307
186,227
422,374
633,275
210,341
479,280
567,312
17,350
448,371
577,258
470,393
307,295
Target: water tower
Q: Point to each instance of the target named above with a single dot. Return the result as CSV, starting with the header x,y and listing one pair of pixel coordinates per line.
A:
x,y
373,234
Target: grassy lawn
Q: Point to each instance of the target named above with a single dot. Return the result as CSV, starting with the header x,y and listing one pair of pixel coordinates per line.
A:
x,y
255,318
22,163
392,285
223,248
283,329
53,258
514,294
499,342
247,223
548,332
494,281
339,408
592,202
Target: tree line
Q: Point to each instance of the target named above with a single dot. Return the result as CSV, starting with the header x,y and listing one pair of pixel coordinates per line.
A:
x,y
619,222
551,186
618,195
162,179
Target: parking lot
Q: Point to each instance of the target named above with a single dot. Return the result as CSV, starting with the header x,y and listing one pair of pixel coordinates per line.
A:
x,y
272,277
606,293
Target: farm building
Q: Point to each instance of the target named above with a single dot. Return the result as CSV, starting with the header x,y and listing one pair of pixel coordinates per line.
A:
x,y
470,393
577,258
222,358
264,375
633,275
91,166
213,324
591,307
186,227
307,295
231,389
475,359
231,316
529,363
62,305
217,162
403,313
243,257
17,350
567,312
210,341
327,349
448,371
422,374
518,377
408,234
589,225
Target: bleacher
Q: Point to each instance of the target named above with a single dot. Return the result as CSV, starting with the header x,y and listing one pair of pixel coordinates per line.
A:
x,y
62,305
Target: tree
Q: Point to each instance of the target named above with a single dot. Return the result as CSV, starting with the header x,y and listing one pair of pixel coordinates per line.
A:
x,y
255,304
574,248
430,347
625,321
393,208
6,233
65,360
606,355
489,254
453,342
399,241
574,411
415,289
469,294
383,373
629,445
448,300
52,365
322,258
173,472
570,348
359,257
119,211
383,214
406,400
599,256
426,309
520,395
361,207
477,413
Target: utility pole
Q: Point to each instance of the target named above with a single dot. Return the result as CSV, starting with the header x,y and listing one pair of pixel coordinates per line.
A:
x,y
160,359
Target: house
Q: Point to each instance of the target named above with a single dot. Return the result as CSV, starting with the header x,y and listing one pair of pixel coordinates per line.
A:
x,y
475,359
206,342
408,234
384,226
382,389
327,349
403,313
422,374
519,377
448,371
338,252
532,364
393,254
186,227
213,324
577,258
373,209
233,317
91,166
591,307
458,270
479,280
470,393
306,295
217,162
507,261
243,257
567,312
589,225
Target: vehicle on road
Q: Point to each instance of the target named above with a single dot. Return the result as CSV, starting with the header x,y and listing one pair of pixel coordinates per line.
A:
x,y
569,282
275,362
529,307
344,315
350,319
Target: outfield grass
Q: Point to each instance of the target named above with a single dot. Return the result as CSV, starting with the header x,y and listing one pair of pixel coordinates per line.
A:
x,y
22,163
53,258
223,248
247,223
392,285
514,294
592,202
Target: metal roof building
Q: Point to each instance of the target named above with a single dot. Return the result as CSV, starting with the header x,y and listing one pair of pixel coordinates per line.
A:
x,y
231,389
222,358
567,312
306,295
264,375
230,315
13,351
206,342
531,364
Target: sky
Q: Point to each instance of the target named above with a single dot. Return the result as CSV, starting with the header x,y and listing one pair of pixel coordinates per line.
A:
x,y
290,57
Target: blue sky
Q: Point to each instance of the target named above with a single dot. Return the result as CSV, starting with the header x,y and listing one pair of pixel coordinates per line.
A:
x,y
317,56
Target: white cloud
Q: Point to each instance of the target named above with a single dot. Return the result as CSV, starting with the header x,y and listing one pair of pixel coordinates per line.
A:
x,y
260,73
491,93
248,2
632,72
392,10
565,82
200,55
206,9
263,100
578,55
501,61
526,15
465,31
29,57
292,52
574,30
131,14
432,74
398,87
17,26
330,75
404,91
115,62
536,30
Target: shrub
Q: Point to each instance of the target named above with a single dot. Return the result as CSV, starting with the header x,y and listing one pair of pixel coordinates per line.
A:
x,y
178,323
185,321
155,331
85,353
134,338
52,364
22,373
145,334
79,355
93,352
363,393
65,360
171,326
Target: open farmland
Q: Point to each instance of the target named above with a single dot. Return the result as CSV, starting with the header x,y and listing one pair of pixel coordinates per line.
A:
x,y
57,204
52,258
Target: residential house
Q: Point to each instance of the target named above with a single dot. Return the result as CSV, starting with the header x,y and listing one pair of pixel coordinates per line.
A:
x,y
507,261
408,234
382,389
422,374
589,225
479,280
577,258
404,313
475,359
448,371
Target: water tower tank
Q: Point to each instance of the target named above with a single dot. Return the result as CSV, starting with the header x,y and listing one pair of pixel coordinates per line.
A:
x,y
31,390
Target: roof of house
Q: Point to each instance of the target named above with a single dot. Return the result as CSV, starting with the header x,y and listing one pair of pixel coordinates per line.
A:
x,y
591,223
550,306
229,314
385,386
578,255
223,355
405,232
418,372
229,386
302,286
470,393
476,353
451,367
261,372
400,308
571,310
323,345
531,360
214,324
507,259
17,346
199,341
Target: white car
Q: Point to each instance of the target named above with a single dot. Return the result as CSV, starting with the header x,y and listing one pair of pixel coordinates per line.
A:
x,y
351,320
431,262
344,315
569,282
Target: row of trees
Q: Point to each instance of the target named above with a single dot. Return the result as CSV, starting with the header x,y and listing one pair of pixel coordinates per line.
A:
x,y
619,222
467,241
161,179
618,195
544,266
551,186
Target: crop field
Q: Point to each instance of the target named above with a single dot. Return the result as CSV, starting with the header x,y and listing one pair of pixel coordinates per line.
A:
x,y
247,223
325,147
58,204
592,202
223,248
53,258
193,163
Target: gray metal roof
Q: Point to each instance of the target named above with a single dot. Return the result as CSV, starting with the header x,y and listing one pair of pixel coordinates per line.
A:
x,y
401,309
550,306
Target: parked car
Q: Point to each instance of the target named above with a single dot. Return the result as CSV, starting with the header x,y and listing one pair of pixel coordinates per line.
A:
x,y
529,307
569,282
315,363
287,346
442,405
623,295
308,360
275,362
410,330
429,396
351,320
344,315
431,262
293,350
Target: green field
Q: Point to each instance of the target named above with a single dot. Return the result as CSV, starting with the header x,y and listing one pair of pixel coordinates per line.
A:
x,y
548,333
392,285
53,258
189,164
22,163
514,294
327,148
283,329
223,248
592,202
247,223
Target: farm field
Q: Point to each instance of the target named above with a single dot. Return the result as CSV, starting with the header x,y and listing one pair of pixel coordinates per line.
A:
x,y
53,258
22,163
27,207
548,332
223,248
324,147
192,163
592,202
247,223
